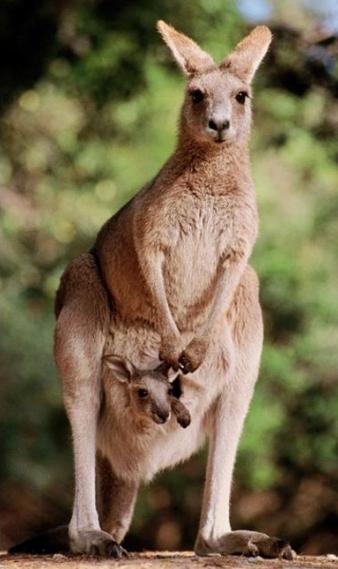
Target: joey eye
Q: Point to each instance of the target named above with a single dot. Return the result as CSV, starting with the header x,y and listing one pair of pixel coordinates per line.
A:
x,y
142,393
170,391
241,96
197,95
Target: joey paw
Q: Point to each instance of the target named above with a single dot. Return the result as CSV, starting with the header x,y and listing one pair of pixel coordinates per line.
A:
x,y
97,542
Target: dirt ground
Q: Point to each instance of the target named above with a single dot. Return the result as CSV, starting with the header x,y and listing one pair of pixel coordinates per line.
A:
x,y
163,560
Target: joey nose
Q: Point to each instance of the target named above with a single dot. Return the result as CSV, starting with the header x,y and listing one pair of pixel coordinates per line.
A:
x,y
162,416
219,125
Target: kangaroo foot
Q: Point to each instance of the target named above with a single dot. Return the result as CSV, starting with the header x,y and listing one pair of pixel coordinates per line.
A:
x,y
96,542
248,543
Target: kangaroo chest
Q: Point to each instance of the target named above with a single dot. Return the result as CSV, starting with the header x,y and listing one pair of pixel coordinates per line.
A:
x,y
200,230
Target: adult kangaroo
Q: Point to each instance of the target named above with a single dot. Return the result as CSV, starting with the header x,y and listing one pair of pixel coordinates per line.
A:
x,y
168,279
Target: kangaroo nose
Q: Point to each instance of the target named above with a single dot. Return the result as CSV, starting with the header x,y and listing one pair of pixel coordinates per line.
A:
x,y
218,125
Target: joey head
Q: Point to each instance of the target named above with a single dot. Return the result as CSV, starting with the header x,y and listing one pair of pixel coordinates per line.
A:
x,y
151,394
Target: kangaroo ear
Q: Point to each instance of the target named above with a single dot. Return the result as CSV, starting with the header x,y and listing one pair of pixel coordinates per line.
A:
x,y
122,368
248,54
189,56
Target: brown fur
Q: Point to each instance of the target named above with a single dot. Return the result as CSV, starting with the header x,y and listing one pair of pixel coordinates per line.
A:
x,y
170,277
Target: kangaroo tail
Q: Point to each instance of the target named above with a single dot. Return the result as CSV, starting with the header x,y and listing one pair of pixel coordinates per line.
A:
x,y
55,540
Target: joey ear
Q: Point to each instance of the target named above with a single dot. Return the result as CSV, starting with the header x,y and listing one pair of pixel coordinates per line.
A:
x,y
189,56
248,54
167,370
163,368
122,368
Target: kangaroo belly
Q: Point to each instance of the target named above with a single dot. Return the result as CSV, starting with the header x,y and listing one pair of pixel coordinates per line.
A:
x,y
140,454
142,457
190,269
190,274
172,446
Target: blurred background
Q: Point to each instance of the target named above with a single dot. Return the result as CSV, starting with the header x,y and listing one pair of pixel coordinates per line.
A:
x,y
89,99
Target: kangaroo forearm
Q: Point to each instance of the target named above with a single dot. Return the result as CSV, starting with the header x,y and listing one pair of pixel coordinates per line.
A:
x,y
226,286
153,275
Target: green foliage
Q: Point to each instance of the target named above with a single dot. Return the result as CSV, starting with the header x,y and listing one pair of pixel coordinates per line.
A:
x,y
93,122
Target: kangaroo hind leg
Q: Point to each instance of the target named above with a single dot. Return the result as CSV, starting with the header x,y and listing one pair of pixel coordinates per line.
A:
x,y
225,426
83,316
116,500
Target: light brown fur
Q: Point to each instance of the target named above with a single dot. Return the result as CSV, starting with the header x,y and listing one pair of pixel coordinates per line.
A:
x,y
169,279
146,396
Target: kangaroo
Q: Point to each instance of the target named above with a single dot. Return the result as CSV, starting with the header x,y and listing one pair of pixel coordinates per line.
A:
x,y
150,396
168,280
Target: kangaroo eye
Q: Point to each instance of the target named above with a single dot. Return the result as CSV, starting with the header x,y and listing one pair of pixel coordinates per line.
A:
x,y
197,95
241,96
142,393
170,391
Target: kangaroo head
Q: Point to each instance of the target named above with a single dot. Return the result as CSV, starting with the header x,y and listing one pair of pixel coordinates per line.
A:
x,y
217,105
149,391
